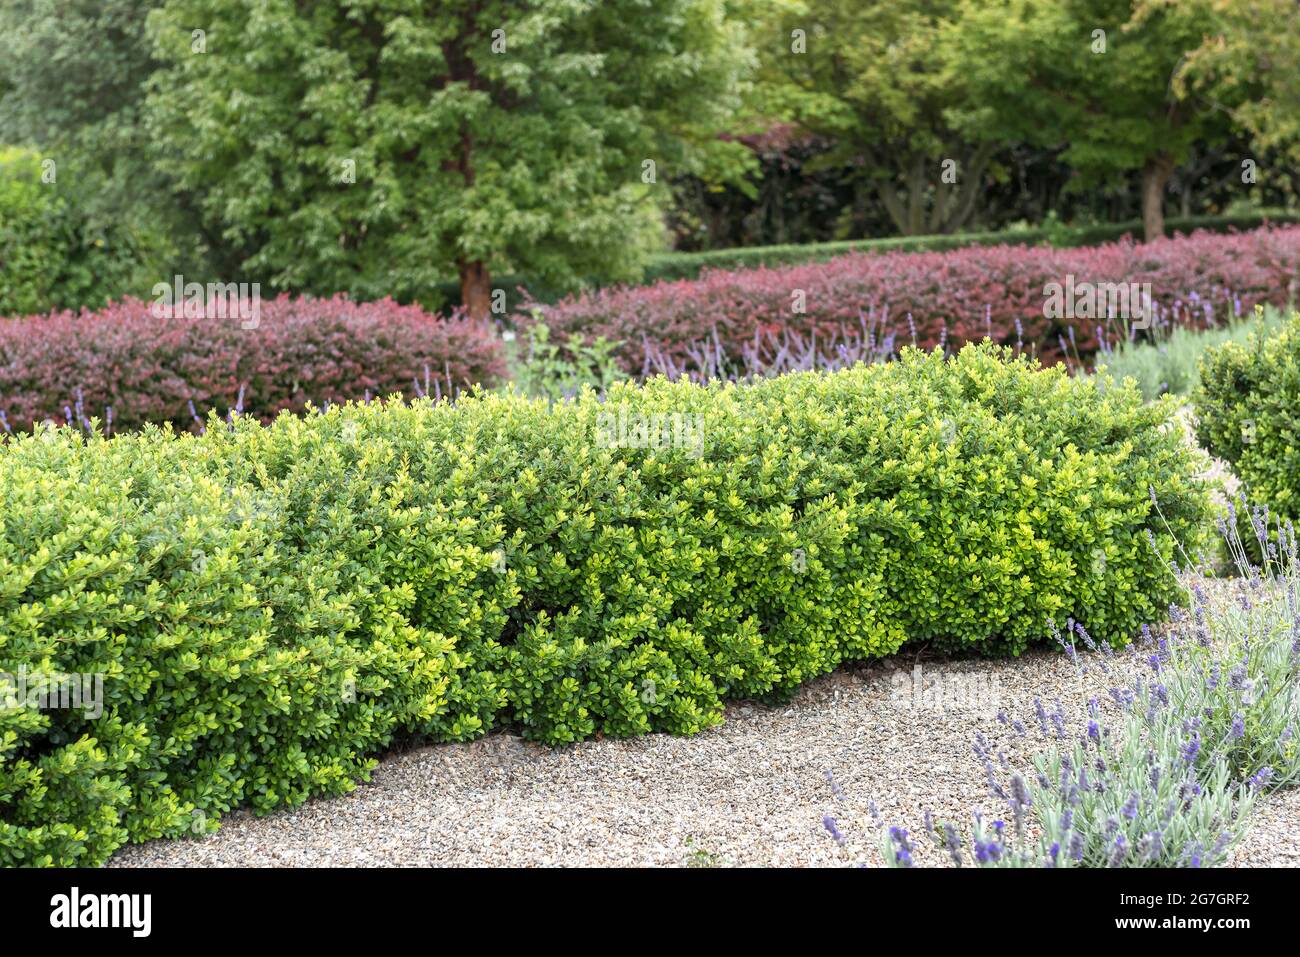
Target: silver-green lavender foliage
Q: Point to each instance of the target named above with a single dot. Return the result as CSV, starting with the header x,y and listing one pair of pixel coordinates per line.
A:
x,y
1235,663
1171,364
1131,790
1170,776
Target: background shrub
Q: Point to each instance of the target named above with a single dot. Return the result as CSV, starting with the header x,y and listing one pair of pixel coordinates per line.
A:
x,y
1246,411
689,265
51,254
270,604
956,296
149,369
1171,361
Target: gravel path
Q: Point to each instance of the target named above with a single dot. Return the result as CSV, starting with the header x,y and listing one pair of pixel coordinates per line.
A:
x,y
1274,836
752,792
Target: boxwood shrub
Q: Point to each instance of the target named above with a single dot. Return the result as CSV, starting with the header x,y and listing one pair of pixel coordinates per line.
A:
x,y
270,605
1246,409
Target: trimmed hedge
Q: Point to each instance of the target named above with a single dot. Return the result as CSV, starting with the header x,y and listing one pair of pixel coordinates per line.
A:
x,y
672,266
149,369
1246,408
271,604
932,297
691,265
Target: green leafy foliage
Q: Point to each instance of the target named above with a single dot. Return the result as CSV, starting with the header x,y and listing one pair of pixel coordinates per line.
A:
x,y
542,367
51,255
1246,411
1098,76
1171,363
269,605
381,146
881,81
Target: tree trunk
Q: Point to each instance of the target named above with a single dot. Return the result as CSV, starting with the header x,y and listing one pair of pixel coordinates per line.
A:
x,y
1155,177
972,169
475,288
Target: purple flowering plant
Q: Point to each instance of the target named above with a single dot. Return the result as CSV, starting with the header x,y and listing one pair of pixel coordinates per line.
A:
x,y
1164,771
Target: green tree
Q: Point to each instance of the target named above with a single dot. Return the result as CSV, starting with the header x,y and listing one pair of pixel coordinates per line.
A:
x,y
378,145
879,79
1096,77
72,85
1255,56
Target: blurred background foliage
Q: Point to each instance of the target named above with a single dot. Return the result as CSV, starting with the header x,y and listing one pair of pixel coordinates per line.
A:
x,y
557,144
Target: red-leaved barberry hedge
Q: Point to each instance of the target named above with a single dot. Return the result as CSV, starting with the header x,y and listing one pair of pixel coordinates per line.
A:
x,y
148,369
964,294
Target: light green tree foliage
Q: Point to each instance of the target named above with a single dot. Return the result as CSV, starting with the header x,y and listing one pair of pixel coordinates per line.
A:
x,y
1096,77
380,145
1257,52
881,79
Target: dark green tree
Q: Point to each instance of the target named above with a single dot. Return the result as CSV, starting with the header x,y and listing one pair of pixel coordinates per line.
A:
x,y
1095,77
378,146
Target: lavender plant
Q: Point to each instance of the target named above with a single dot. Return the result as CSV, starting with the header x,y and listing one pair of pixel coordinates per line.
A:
x,y
1137,792
1234,666
771,353
1131,790
1168,772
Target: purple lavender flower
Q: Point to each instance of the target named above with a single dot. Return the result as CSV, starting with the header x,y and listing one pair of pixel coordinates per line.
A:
x,y
828,822
1041,714
1119,852
1259,780
903,854
953,843
1130,808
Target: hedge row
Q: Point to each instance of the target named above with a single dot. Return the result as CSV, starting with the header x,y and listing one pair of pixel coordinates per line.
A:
x,y
1246,407
691,265
956,297
150,369
271,604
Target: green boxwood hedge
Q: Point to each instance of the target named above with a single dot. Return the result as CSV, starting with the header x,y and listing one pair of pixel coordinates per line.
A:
x,y
271,605
690,265
1248,413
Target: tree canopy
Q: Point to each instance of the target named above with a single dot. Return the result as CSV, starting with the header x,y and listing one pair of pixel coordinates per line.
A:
x,y
377,145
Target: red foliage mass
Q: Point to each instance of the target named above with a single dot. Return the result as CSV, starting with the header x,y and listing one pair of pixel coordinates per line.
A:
x,y
975,291
149,368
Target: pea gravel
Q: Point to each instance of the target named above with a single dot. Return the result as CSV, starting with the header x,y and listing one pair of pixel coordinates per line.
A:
x,y
751,792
